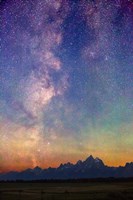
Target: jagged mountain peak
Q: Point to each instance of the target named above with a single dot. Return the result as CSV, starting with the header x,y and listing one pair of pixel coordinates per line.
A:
x,y
92,162
79,162
129,164
37,168
98,160
90,158
89,168
66,165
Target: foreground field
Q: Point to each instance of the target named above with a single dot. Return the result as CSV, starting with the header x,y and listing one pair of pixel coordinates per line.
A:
x,y
67,191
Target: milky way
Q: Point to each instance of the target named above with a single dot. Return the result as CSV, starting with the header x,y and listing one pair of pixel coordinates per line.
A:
x,y
66,82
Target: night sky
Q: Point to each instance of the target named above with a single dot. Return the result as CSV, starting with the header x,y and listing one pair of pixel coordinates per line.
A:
x,y
66,82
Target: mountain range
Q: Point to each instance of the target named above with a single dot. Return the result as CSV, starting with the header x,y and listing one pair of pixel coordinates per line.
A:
x,y
89,168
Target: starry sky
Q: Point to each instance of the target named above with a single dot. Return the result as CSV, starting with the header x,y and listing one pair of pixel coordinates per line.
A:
x,y
66,82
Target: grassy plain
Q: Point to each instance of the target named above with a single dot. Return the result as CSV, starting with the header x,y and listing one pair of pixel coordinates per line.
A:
x,y
89,190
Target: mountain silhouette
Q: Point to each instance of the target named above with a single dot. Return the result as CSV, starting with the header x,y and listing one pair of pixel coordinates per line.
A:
x,y
89,168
